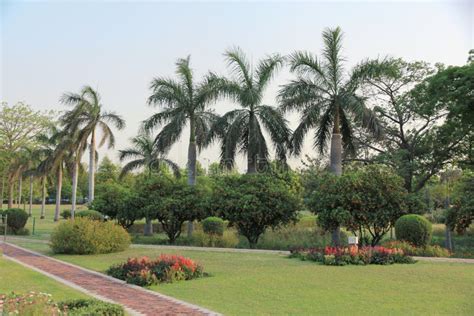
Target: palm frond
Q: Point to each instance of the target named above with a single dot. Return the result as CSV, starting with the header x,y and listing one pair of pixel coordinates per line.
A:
x,y
323,132
239,65
266,70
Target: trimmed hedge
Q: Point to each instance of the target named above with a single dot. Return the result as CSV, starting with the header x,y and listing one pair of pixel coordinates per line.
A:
x,y
213,226
415,229
66,214
90,307
91,214
86,236
16,220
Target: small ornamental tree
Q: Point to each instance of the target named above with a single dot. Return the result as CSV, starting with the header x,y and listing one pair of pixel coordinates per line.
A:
x,y
367,199
117,202
253,203
173,202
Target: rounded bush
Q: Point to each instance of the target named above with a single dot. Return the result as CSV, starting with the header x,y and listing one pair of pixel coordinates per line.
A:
x,y
213,226
86,236
16,220
66,214
413,228
91,214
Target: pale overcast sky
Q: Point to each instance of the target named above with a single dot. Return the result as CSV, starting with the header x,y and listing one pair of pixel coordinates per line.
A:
x,y
49,47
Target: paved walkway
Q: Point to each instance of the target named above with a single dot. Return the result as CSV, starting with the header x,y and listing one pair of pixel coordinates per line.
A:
x,y
136,300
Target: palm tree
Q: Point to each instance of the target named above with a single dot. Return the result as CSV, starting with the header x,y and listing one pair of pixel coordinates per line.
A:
x,y
87,116
241,130
184,104
327,101
145,155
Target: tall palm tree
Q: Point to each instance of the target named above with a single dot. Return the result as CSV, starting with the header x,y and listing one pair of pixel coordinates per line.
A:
x,y
88,115
145,155
184,103
241,129
327,101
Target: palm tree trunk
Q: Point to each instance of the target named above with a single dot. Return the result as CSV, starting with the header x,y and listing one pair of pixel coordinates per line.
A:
x,y
192,154
74,187
3,190
20,181
336,167
43,196
59,185
10,191
92,167
252,155
30,205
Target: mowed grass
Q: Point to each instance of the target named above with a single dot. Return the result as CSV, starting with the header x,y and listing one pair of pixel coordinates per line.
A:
x,y
14,277
270,284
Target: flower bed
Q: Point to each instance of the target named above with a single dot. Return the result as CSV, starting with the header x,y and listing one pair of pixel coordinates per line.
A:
x,y
164,269
339,256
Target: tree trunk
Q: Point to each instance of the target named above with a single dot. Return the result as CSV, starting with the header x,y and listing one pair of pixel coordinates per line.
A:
x,y
20,182
3,190
30,205
252,155
59,186
448,243
192,154
336,166
43,196
148,230
92,167
10,192
74,187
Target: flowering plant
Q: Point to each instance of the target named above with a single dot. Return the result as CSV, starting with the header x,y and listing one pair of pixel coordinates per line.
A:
x,y
352,255
166,268
31,303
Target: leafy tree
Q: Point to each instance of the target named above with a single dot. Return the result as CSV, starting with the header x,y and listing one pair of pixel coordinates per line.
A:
x,y
419,141
461,215
173,202
87,116
254,203
184,103
241,130
328,102
107,171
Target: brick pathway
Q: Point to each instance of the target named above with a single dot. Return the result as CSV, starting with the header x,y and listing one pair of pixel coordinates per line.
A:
x,y
136,300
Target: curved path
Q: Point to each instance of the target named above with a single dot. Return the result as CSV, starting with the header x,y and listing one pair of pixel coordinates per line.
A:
x,y
136,300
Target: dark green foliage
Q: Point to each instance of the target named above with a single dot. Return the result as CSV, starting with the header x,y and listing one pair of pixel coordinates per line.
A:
x,y
172,202
367,199
66,214
16,219
415,229
85,236
253,203
90,307
461,215
91,214
117,202
213,226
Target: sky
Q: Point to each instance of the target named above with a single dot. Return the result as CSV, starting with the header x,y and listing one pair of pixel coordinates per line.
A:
x,y
51,47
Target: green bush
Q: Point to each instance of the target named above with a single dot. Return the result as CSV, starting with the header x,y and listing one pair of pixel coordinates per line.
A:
x,y
415,229
16,220
66,214
229,239
90,307
213,226
427,251
91,214
85,236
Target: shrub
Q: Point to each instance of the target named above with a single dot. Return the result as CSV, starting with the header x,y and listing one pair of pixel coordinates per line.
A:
x,y
213,226
413,228
164,269
85,236
90,307
91,214
339,256
17,219
66,214
253,203
228,239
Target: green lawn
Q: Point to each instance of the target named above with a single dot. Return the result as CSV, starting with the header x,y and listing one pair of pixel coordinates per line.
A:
x,y
272,284
15,277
